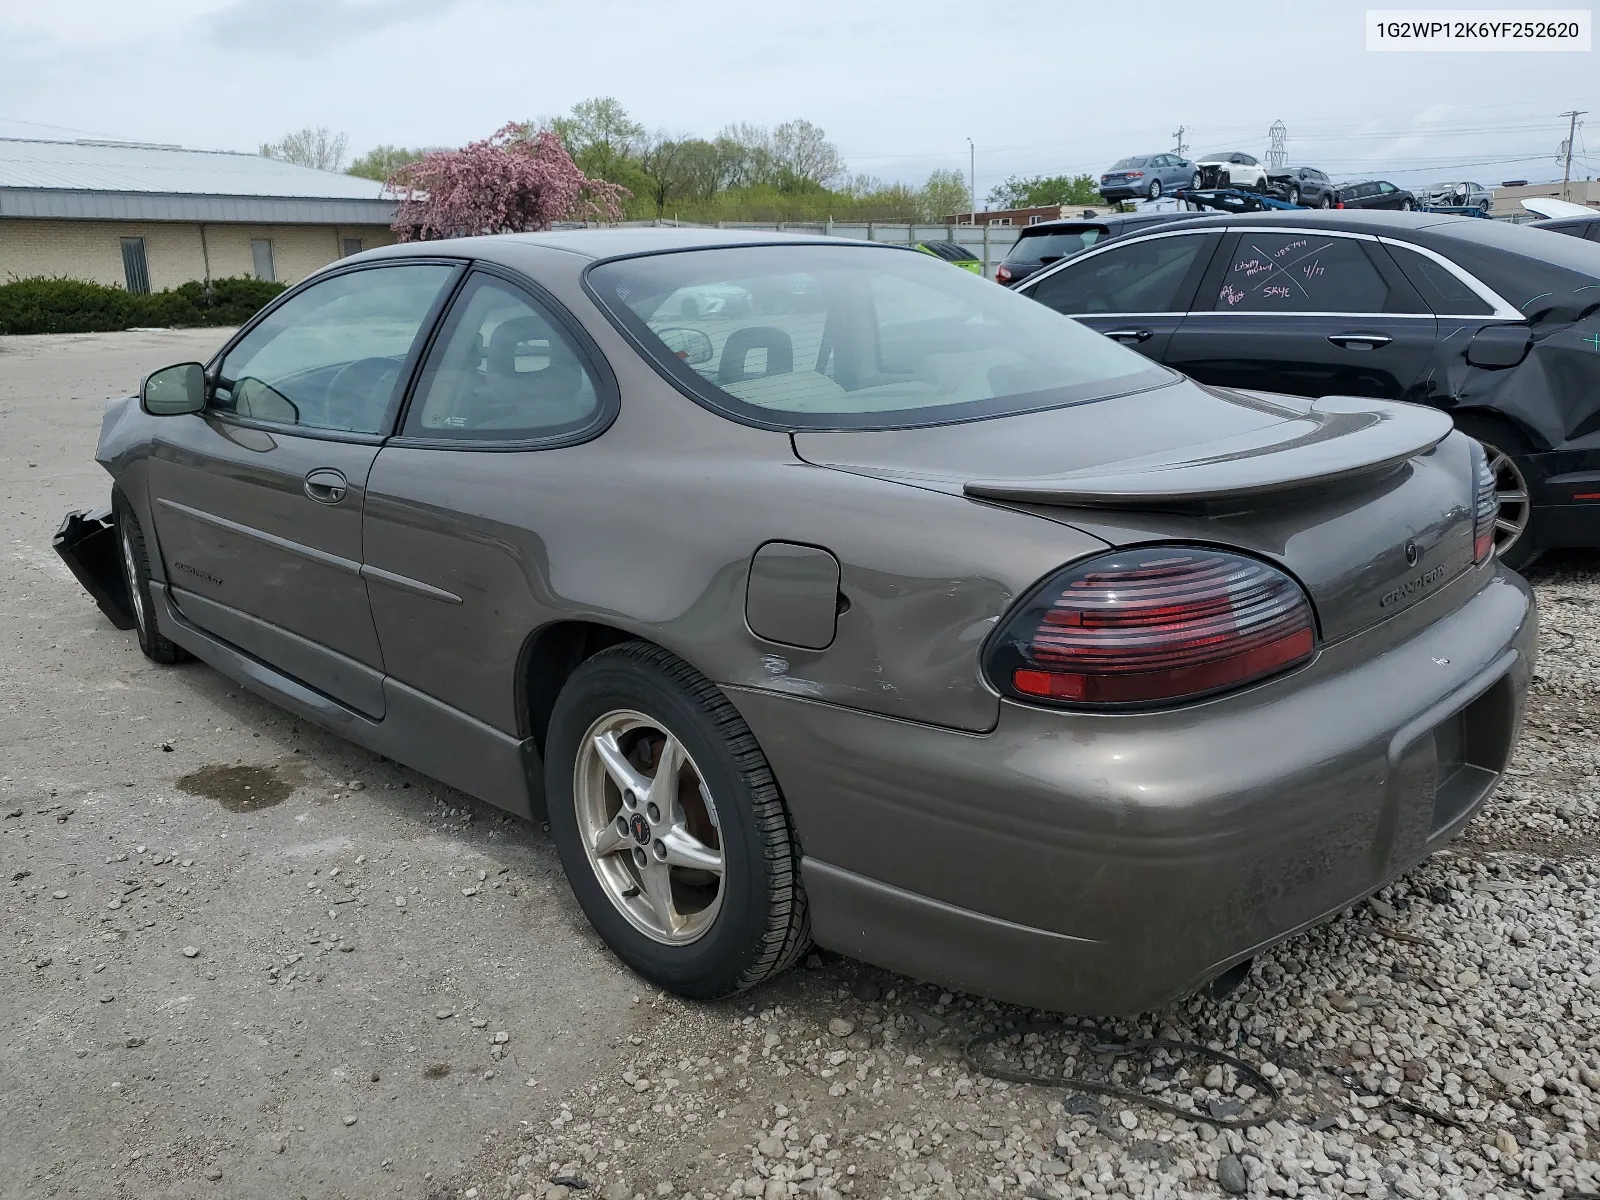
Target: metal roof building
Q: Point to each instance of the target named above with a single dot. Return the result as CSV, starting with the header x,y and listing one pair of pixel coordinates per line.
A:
x,y
151,216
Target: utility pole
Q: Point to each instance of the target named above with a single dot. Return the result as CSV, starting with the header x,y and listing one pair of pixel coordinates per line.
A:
x,y
1572,133
972,178
1181,147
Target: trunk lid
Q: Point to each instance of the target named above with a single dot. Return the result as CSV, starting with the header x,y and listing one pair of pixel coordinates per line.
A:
x,y
1366,502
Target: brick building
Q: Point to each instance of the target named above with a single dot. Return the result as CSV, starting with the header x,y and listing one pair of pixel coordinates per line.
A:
x,y
148,217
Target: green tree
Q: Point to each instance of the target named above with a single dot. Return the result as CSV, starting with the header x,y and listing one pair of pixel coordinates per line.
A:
x,y
383,161
601,137
319,148
944,195
803,156
1040,191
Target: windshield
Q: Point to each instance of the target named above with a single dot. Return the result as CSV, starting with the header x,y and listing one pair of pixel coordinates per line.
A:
x,y
1124,163
1219,156
1040,247
843,337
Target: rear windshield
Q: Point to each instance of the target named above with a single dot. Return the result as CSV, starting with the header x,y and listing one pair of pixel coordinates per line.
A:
x,y
844,337
1058,243
1124,163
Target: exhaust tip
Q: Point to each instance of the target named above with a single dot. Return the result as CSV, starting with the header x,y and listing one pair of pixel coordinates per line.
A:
x,y
1228,982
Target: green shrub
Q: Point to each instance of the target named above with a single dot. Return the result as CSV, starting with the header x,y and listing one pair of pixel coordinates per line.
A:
x,y
59,305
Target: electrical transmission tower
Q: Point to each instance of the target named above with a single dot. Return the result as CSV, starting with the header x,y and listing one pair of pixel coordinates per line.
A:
x,y
1277,152
1181,147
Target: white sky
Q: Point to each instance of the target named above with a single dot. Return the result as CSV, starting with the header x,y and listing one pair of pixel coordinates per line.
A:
x,y
899,85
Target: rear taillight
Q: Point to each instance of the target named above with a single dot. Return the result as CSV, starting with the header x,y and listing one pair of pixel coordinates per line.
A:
x,y
1003,273
1134,174
1152,625
1485,506
1340,204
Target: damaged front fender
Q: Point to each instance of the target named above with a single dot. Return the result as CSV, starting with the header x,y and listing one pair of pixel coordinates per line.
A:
x,y
87,543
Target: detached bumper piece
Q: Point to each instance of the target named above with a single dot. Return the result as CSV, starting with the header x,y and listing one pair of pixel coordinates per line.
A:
x,y
87,543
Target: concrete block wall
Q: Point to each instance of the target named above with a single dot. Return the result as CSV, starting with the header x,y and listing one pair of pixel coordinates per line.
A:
x,y
92,250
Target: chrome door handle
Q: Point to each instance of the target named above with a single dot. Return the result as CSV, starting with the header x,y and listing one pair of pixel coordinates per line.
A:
x,y
1365,341
1130,335
326,486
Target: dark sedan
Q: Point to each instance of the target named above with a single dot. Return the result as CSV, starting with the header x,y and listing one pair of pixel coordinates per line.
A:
x,y
1499,325
1374,193
1578,227
812,589
1050,241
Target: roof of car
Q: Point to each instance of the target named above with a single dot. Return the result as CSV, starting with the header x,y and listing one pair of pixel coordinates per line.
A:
x,y
606,243
1110,220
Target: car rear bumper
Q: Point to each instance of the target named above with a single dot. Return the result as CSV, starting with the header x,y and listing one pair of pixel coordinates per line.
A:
x,y
1109,864
1121,191
1566,490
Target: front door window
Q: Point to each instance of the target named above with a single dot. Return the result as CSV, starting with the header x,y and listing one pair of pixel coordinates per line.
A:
x,y
330,357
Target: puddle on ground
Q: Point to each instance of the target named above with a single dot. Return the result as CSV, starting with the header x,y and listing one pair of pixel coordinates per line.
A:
x,y
238,789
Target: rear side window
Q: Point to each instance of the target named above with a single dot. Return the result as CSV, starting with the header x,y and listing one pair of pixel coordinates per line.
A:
x,y
1444,293
1046,247
503,369
1301,272
1139,277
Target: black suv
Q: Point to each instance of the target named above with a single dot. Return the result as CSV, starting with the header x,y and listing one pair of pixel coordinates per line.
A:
x,y
1374,193
1302,185
1496,324
1049,241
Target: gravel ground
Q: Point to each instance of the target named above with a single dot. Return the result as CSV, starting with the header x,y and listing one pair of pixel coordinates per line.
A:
x,y
244,958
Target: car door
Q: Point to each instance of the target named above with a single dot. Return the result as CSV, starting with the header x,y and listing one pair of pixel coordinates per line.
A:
x,y
257,501
1388,196
510,391
1135,290
1310,313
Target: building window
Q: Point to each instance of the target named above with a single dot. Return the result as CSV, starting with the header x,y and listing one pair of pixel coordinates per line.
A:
x,y
352,246
261,257
1001,221
1035,219
135,269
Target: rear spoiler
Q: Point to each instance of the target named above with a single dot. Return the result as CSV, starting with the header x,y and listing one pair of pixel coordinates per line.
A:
x,y
1339,438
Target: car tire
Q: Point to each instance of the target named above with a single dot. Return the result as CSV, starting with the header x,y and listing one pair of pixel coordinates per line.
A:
x,y
1153,192
1509,457
627,705
1406,206
1196,181
1327,200
1294,195
136,574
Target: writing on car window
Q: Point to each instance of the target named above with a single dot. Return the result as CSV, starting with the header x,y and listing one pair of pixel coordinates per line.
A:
x,y
1301,273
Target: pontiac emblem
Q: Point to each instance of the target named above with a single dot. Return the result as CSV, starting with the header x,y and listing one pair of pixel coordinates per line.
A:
x,y
1412,554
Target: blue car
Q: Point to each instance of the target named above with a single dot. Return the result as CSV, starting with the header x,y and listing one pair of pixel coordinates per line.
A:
x,y
1148,176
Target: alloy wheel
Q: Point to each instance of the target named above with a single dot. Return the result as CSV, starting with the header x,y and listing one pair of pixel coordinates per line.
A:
x,y
1155,189
135,592
649,826
1511,500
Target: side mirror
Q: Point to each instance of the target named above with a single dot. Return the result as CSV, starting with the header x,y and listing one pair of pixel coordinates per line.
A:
x,y
174,390
692,346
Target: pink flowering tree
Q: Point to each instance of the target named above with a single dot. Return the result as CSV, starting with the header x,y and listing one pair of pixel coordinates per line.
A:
x,y
513,182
